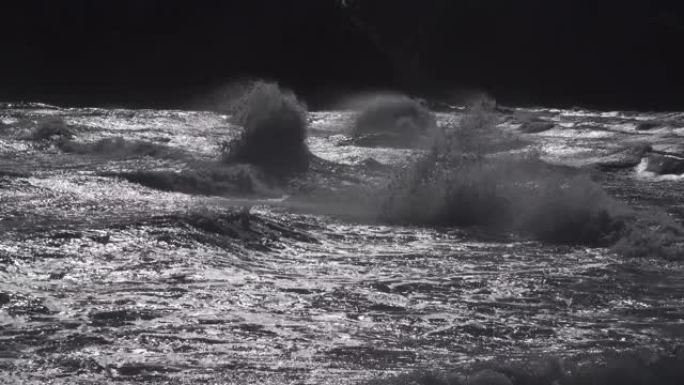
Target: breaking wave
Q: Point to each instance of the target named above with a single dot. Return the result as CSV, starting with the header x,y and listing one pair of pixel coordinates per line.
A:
x,y
274,135
469,179
392,120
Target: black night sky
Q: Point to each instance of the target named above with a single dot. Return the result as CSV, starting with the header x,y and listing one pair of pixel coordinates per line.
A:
x,y
168,53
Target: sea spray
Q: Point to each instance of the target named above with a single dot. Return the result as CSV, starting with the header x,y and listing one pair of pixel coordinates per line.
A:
x,y
469,179
274,135
392,120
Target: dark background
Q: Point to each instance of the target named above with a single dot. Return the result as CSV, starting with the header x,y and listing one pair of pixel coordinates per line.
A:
x,y
169,53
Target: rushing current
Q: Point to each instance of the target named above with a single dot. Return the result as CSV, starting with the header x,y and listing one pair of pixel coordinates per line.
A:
x,y
105,276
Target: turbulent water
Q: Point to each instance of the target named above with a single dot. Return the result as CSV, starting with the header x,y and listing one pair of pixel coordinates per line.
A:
x,y
105,279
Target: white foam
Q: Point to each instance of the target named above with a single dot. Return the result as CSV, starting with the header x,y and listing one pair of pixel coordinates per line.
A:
x,y
643,173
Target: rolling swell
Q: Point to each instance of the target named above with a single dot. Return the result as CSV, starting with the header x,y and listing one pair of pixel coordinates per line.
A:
x,y
207,181
118,147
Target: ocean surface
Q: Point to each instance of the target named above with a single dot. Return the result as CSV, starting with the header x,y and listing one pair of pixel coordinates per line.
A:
x,y
108,277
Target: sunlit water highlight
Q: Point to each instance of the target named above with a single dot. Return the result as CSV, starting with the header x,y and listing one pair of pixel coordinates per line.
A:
x,y
102,279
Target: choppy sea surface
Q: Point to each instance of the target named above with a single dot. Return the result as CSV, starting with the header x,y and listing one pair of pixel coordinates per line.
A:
x,y
106,280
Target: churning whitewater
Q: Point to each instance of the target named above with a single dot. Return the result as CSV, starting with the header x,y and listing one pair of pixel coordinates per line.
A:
x,y
133,249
